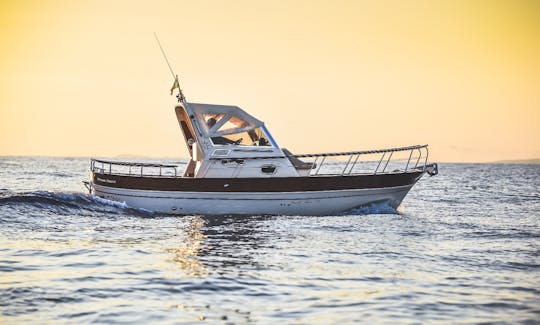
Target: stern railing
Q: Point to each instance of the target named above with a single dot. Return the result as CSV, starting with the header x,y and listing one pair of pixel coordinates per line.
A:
x,y
134,168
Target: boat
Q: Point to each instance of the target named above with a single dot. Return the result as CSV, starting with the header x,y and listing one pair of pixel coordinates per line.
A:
x,y
236,167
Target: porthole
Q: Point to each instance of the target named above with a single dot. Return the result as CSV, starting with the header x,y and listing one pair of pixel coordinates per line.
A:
x,y
268,169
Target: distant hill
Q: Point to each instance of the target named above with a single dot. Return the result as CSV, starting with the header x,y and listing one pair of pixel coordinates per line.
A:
x,y
137,156
520,161
129,155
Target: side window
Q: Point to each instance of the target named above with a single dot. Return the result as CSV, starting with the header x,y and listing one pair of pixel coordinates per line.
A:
x,y
258,138
211,119
233,123
255,137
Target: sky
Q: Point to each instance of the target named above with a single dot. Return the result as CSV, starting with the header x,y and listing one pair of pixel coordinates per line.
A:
x,y
86,78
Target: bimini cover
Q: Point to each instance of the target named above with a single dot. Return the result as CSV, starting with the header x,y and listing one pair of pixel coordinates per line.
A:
x,y
220,120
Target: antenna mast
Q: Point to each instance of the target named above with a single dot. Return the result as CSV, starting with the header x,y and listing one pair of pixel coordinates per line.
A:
x,y
176,84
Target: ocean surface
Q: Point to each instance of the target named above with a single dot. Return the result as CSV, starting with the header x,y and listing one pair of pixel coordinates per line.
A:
x,y
464,247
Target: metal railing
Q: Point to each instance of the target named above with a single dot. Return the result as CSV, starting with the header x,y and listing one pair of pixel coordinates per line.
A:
x,y
381,161
393,160
140,169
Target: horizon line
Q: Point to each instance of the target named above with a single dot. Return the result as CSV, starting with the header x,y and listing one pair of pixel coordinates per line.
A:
x,y
533,161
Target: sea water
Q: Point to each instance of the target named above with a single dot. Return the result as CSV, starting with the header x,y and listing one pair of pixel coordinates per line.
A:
x,y
462,248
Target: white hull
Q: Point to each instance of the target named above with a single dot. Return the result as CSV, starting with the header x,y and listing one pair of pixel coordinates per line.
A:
x,y
243,203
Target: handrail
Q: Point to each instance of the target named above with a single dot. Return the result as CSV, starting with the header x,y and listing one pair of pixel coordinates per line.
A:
x,y
127,163
366,152
335,154
410,162
106,167
343,167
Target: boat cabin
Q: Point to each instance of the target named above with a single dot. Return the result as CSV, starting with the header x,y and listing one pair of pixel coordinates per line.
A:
x,y
225,141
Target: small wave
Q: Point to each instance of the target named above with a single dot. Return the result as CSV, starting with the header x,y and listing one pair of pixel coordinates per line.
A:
x,y
375,208
116,204
4,192
65,202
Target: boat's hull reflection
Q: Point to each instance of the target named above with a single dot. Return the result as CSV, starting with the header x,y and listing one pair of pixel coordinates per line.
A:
x,y
214,243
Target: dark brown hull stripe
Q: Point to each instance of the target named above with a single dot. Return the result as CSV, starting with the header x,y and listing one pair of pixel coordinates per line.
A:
x,y
276,184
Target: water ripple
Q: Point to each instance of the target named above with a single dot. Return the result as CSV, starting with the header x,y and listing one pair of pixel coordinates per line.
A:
x,y
463,248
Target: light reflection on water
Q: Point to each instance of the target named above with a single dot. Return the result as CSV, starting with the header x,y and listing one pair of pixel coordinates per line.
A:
x,y
456,252
186,255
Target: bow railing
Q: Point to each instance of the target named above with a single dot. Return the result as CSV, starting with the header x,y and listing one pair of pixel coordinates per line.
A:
x,y
380,161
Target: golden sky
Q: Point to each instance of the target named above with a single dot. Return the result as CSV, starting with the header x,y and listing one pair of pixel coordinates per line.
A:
x,y
86,78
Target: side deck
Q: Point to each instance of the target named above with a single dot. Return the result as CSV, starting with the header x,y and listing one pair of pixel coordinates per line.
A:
x,y
327,172
355,163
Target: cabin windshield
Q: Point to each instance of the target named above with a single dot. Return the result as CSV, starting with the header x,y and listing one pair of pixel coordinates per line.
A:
x,y
211,119
234,124
230,125
254,137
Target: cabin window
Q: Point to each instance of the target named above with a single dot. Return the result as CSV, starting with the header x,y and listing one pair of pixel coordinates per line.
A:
x,y
234,123
211,119
255,137
187,133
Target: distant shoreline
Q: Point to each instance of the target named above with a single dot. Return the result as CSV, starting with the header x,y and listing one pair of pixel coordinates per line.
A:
x,y
535,161
519,161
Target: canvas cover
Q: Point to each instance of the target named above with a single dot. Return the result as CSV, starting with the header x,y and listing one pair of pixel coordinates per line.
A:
x,y
219,120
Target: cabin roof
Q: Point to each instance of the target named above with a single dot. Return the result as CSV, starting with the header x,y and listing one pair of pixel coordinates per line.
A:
x,y
228,119
223,109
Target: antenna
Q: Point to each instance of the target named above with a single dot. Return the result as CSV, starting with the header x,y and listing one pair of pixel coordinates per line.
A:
x,y
180,96
164,55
